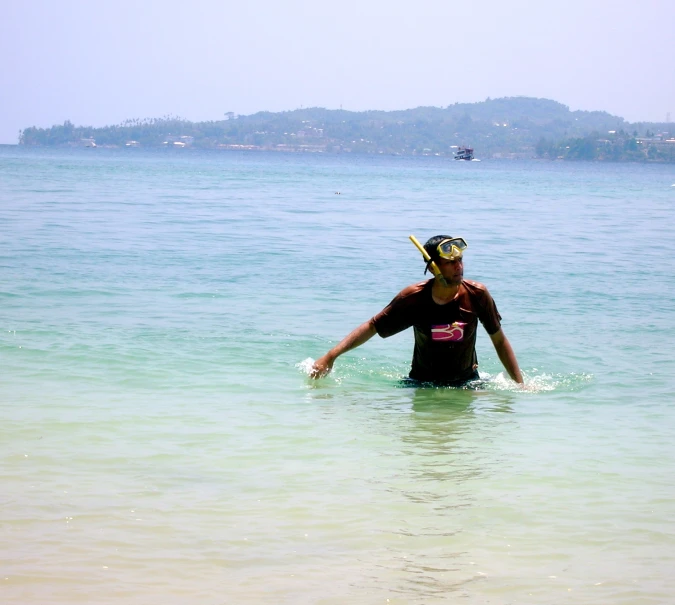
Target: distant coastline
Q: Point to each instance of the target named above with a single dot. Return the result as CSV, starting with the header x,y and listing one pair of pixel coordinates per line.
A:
x,y
513,128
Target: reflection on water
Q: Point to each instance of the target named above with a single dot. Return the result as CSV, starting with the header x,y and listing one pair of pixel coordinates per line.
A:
x,y
441,449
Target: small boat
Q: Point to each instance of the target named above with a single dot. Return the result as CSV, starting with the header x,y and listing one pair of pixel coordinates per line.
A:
x,y
464,153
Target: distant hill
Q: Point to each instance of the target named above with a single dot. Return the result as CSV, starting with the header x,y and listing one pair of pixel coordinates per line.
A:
x,y
508,127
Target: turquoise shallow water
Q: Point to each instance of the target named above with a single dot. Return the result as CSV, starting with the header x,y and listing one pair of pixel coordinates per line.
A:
x,y
160,441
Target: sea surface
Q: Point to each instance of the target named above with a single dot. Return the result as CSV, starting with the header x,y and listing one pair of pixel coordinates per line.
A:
x,y
161,442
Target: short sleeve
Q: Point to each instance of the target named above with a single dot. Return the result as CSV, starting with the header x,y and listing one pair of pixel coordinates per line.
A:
x,y
488,314
399,314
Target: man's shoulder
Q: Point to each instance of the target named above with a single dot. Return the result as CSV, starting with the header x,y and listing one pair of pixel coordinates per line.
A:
x,y
476,290
474,286
414,289
413,294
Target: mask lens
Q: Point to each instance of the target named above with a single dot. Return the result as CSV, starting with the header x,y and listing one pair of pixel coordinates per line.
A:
x,y
452,248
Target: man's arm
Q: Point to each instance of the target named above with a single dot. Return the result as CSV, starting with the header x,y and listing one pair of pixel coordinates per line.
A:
x,y
355,338
506,355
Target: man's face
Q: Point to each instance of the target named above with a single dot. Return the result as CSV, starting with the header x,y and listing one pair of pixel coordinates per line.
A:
x,y
452,270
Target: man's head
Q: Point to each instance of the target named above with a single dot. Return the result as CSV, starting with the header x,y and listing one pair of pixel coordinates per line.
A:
x,y
447,253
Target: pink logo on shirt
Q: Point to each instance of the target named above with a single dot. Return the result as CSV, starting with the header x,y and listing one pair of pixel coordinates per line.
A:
x,y
448,332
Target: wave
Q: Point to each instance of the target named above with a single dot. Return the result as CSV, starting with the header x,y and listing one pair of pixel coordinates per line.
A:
x,y
536,381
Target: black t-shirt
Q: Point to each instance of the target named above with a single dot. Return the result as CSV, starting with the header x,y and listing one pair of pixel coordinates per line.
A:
x,y
445,335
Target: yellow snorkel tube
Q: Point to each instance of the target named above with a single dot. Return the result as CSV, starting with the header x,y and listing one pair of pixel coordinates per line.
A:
x,y
433,267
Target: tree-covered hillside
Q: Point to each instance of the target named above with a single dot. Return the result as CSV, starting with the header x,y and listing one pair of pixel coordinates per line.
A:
x,y
508,127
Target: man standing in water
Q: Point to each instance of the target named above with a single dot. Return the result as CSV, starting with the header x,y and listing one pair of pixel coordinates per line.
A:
x,y
444,313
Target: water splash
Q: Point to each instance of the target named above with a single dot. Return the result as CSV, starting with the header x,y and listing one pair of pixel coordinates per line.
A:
x,y
536,383
305,366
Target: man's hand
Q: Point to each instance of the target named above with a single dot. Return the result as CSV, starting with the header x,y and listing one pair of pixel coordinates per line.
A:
x,y
355,338
321,367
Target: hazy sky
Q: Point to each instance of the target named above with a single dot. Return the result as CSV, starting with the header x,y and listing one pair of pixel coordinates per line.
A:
x,y
98,62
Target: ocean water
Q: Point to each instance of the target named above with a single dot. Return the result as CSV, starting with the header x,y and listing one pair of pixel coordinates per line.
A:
x,y
160,439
